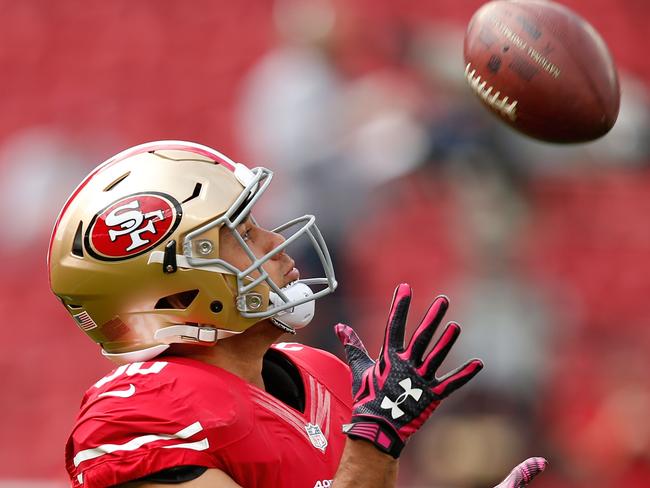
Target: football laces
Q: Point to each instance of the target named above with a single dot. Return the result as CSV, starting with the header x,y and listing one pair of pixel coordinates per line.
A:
x,y
503,105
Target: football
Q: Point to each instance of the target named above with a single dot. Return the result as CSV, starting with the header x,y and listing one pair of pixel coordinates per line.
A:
x,y
542,69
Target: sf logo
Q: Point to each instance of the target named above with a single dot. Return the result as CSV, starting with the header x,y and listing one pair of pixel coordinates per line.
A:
x,y
132,225
129,219
409,391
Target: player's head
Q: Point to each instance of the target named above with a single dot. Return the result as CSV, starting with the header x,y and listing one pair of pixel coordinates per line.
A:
x,y
158,245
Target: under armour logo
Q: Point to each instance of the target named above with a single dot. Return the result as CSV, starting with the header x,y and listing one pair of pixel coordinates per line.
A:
x,y
397,412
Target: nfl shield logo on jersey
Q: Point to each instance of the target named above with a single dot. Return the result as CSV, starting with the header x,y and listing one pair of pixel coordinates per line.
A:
x,y
316,436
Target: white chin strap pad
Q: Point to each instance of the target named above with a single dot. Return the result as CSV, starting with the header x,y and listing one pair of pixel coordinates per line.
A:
x,y
141,355
299,315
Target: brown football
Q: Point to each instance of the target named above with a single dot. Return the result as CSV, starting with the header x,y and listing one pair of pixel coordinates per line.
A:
x,y
542,69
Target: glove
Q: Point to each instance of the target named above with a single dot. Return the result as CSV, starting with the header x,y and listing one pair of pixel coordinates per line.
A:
x,y
524,473
395,395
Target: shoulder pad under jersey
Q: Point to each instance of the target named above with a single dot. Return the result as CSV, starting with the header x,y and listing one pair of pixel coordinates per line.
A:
x,y
145,417
324,366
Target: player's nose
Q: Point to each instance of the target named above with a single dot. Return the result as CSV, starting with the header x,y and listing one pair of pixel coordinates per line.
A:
x,y
271,241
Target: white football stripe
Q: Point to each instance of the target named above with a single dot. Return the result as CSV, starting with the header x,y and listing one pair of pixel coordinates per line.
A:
x,y
201,445
312,396
271,400
323,409
130,391
135,443
300,427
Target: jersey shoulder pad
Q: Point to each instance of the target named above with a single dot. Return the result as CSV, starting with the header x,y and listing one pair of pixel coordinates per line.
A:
x,y
322,365
311,357
146,417
171,388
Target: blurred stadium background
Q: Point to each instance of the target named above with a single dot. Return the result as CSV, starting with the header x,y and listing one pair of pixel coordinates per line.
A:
x,y
361,108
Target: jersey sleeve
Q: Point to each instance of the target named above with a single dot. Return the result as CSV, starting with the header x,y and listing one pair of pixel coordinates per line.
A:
x,y
139,421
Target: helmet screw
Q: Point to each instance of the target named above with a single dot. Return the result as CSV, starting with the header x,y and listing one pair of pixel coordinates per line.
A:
x,y
216,306
169,268
254,302
205,247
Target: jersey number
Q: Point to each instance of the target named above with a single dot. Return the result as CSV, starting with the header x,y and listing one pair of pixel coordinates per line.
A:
x,y
130,370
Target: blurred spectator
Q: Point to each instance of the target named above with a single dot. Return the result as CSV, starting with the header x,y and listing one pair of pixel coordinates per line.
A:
x,y
332,137
36,166
291,102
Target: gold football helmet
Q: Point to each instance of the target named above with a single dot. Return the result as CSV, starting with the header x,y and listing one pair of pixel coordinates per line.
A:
x,y
134,254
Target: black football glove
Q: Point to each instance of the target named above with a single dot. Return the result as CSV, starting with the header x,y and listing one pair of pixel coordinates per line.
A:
x,y
395,395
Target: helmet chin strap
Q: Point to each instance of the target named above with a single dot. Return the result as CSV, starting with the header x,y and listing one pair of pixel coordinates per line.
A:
x,y
206,336
298,316
288,321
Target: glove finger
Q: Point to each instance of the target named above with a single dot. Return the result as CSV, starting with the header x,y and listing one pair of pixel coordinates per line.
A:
x,y
457,378
426,329
523,473
394,335
440,351
355,351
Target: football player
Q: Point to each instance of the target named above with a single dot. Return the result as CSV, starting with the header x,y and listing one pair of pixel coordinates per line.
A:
x,y
158,258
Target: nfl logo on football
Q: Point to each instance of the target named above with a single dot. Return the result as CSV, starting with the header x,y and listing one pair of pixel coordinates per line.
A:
x,y
316,436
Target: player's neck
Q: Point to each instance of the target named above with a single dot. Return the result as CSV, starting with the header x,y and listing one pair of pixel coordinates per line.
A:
x,y
241,354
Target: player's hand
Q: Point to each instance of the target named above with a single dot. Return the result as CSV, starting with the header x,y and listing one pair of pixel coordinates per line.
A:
x,y
524,473
395,395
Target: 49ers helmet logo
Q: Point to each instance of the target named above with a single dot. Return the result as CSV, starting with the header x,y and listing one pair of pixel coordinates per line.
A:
x,y
132,225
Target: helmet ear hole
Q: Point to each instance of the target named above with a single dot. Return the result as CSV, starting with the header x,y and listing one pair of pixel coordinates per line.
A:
x,y
177,301
216,306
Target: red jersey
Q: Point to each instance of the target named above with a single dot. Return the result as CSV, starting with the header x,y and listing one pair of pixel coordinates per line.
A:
x,y
146,417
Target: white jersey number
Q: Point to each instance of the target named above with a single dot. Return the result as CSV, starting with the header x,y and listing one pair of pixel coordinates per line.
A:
x,y
130,370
